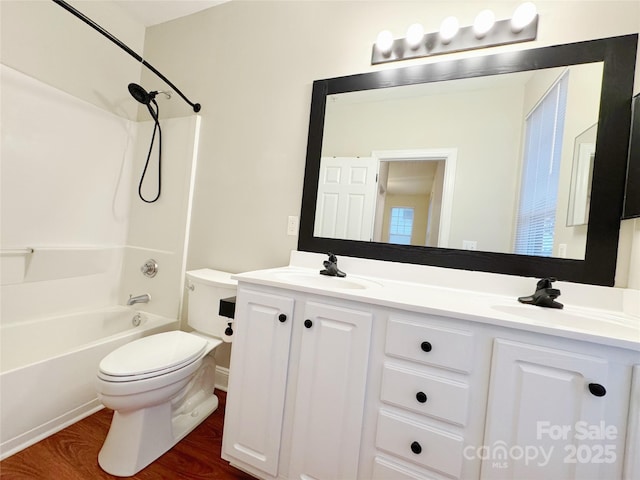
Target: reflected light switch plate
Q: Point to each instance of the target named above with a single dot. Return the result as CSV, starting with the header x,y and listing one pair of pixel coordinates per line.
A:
x,y
562,250
469,245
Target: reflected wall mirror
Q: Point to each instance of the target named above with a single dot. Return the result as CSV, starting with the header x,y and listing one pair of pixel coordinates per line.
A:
x,y
432,164
632,194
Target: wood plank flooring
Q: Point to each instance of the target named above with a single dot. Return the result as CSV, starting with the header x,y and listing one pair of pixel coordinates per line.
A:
x,y
72,454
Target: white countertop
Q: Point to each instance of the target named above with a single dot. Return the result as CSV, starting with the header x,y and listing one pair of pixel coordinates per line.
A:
x,y
607,326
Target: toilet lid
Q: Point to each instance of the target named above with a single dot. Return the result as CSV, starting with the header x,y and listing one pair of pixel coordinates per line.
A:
x,y
153,355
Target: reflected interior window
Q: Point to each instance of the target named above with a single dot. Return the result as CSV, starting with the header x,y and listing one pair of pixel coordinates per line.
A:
x,y
536,217
401,225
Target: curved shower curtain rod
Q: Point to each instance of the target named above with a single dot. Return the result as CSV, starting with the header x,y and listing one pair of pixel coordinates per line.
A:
x,y
196,106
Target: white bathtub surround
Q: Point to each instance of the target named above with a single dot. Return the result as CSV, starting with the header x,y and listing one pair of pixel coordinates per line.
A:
x,y
433,373
160,230
70,174
66,170
66,167
47,380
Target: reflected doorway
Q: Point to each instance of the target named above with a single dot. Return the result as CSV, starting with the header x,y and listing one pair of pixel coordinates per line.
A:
x,y
414,197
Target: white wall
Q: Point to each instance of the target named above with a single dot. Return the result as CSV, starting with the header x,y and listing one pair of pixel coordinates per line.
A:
x,y
252,64
44,41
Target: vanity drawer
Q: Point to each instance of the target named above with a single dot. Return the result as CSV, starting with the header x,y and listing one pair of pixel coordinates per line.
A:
x,y
426,394
432,345
385,469
419,443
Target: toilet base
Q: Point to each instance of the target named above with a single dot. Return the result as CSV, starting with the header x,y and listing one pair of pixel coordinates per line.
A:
x,y
138,437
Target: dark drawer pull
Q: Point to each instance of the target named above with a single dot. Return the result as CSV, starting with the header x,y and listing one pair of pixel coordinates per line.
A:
x,y
421,397
282,317
416,448
597,390
308,323
425,346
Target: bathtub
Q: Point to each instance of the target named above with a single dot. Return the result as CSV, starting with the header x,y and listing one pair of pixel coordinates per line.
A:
x,y
48,367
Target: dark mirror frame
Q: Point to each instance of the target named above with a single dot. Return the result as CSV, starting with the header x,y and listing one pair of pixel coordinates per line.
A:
x,y
632,195
610,164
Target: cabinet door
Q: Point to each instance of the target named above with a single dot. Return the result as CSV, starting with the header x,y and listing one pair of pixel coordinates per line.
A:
x,y
257,379
632,450
330,393
543,421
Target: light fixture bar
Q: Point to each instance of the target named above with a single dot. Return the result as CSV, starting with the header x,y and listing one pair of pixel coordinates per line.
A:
x,y
466,39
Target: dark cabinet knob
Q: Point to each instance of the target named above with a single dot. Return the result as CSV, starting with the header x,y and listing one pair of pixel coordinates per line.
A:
x,y
597,390
421,397
416,448
282,317
308,323
425,346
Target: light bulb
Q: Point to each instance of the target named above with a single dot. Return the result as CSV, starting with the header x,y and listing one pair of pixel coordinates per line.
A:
x,y
384,41
483,23
449,28
523,16
415,34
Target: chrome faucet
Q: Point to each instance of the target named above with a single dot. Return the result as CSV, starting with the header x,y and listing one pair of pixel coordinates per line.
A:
x,y
144,298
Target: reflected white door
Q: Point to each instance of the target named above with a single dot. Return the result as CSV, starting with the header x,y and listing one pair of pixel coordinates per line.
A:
x,y
346,198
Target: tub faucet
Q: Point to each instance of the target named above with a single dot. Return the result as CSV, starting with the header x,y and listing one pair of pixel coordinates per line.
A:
x,y
331,267
544,296
144,298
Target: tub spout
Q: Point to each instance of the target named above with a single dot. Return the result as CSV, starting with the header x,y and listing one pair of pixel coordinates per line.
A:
x,y
144,298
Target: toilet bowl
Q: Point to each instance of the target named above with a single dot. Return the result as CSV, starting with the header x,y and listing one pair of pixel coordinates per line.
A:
x,y
162,386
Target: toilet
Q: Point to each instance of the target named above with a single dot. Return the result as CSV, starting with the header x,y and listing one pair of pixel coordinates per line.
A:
x,y
161,386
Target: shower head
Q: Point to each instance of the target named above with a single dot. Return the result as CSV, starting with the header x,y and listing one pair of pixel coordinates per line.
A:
x,y
142,96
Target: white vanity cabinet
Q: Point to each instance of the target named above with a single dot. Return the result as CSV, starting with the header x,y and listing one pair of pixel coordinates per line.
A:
x,y
332,386
554,412
296,387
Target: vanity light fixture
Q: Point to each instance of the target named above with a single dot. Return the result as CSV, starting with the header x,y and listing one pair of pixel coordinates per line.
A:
x,y
415,34
384,42
484,22
523,16
449,29
485,32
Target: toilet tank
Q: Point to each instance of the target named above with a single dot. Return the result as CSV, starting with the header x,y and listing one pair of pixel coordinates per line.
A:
x,y
205,289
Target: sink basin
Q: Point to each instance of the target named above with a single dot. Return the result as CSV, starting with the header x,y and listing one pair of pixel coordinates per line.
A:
x,y
590,320
323,281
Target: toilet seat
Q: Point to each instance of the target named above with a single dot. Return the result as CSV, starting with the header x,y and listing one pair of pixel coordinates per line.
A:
x,y
152,356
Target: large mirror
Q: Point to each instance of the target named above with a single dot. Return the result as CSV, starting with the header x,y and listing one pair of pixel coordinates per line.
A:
x,y
434,164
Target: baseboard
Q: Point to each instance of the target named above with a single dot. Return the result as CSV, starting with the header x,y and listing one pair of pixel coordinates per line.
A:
x,y
31,437
222,378
45,430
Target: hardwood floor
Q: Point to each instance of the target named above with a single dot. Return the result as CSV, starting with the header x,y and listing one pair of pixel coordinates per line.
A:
x,y
72,454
